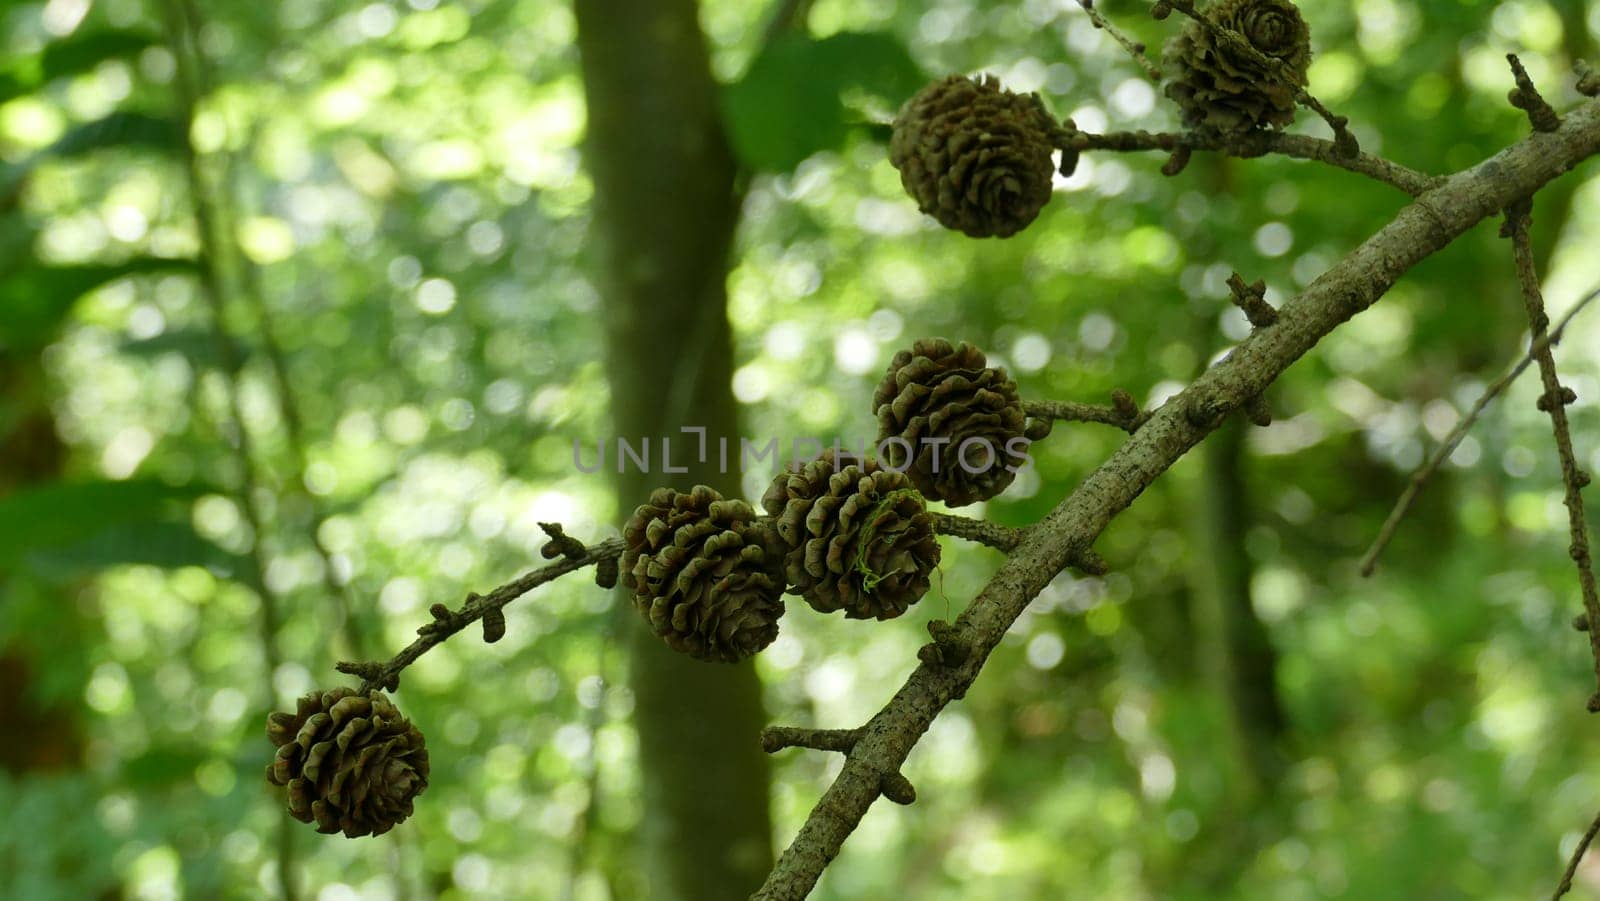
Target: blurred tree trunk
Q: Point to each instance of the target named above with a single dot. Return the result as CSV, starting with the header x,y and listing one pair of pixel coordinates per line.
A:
x,y
665,210
32,737
1235,652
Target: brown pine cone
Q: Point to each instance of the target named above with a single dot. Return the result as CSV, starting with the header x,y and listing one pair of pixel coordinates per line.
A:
x,y
860,538
705,573
975,156
350,761
936,391
1221,91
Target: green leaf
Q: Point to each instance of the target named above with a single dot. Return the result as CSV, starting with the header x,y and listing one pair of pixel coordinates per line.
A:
x,y
72,55
197,345
163,765
63,514
120,130
35,300
803,96
169,543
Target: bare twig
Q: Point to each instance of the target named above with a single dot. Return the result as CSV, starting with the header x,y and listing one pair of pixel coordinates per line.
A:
x,y
776,738
1588,79
1554,401
1577,858
1254,144
1350,286
1134,48
1252,300
1369,562
990,534
1123,413
1526,97
892,783
447,622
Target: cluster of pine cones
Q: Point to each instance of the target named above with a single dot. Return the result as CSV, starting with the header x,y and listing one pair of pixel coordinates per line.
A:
x,y
845,534
977,157
851,535
708,573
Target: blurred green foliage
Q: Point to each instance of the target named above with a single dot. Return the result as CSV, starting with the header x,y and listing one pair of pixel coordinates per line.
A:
x,y
410,201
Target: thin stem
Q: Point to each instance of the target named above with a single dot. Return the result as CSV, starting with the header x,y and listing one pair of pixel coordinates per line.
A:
x,y
1120,415
1369,562
447,622
179,34
777,738
990,534
254,295
1255,144
1135,49
1554,402
1577,858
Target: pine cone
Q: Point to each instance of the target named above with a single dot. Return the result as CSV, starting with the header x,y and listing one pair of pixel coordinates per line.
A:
x,y
975,156
938,391
351,762
705,573
1221,91
860,538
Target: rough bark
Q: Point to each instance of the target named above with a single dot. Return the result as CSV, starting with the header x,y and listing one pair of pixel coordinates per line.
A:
x,y
665,212
1431,222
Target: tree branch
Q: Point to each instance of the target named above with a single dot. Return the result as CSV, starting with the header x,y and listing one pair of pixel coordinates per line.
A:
x,y
1349,287
990,534
1577,858
1123,413
1255,144
1554,401
1135,49
487,607
1369,562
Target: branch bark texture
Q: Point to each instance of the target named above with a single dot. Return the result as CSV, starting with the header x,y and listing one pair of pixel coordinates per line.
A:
x,y
1430,223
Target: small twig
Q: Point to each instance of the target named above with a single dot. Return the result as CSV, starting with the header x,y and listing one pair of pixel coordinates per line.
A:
x,y
1252,299
1251,145
447,622
1135,48
892,784
777,738
1588,79
990,534
1554,402
1526,97
1124,415
1258,411
1343,140
1577,858
1419,478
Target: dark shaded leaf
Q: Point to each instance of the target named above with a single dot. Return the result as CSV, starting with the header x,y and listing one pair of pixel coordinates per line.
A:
x,y
72,55
197,345
171,543
67,513
36,300
162,766
121,130
803,96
